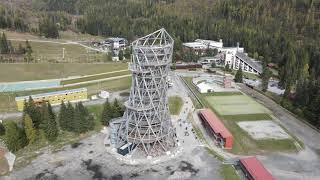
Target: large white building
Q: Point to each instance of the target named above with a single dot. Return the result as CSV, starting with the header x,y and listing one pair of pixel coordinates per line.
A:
x,y
235,57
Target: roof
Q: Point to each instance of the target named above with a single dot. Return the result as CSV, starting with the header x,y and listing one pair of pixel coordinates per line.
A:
x,y
256,169
52,93
218,44
215,123
249,61
204,86
195,45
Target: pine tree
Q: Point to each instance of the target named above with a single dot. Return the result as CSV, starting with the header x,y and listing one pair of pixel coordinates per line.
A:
x,y
12,137
28,55
106,115
117,109
34,112
52,129
265,77
238,76
120,55
29,129
48,123
4,47
77,125
63,116
2,129
70,122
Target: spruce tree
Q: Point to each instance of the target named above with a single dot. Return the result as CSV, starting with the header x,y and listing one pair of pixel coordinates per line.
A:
x,y
121,55
238,76
34,112
29,129
2,129
12,136
106,115
70,122
52,129
77,125
265,77
117,109
63,116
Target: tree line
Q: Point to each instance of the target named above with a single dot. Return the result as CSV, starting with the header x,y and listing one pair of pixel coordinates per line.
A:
x,y
41,123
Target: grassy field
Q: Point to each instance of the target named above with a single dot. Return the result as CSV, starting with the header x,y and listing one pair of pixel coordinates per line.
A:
x,y
243,143
25,72
95,77
175,105
52,52
235,105
228,172
8,104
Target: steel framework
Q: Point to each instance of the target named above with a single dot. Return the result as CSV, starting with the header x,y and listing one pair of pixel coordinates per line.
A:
x,y
146,122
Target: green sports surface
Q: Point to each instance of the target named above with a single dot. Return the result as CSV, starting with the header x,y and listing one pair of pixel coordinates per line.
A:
x,y
237,104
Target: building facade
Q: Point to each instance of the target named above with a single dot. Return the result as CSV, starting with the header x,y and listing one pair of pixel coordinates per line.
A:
x,y
54,98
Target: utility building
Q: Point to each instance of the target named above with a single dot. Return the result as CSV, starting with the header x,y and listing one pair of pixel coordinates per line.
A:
x,y
254,170
220,133
54,98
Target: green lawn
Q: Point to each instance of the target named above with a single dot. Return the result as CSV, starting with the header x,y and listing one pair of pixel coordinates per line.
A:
x,y
235,105
8,104
95,77
38,71
175,105
228,172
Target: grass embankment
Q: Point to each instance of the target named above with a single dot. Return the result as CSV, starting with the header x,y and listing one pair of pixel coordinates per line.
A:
x,y
175,105
39,71
8,104
243,143
30,152
95,77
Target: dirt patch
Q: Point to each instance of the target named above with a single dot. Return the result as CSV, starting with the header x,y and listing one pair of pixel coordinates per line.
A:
x,y
116,177
263,130
75,145
95,168
46,175
188,167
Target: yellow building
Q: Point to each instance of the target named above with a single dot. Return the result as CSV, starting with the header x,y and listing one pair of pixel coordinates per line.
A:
x,y
55,98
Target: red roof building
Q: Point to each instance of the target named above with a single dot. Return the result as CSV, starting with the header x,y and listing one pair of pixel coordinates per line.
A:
x,y
254,170
220,132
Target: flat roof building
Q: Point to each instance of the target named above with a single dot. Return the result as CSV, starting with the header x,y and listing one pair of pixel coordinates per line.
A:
x,y
221,134
55,97
246,64
254,170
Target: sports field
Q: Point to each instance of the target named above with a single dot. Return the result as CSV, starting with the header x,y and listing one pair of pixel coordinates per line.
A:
x,y
237,104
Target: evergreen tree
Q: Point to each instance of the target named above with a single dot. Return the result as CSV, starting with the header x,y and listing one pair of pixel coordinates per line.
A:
x,y
33,111
239,76
265,77
117,109
52,129
70,117
227,68
12,137
48,123
63,116
120,55
127,53
4,46
77,119
2,129
106,115
29,129
28,54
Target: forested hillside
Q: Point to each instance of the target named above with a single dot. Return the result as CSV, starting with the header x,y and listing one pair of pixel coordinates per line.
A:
x,y
286,32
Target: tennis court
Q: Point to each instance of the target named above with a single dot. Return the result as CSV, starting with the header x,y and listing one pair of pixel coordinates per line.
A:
x,y
236,104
